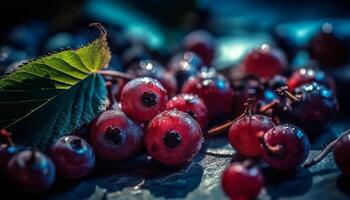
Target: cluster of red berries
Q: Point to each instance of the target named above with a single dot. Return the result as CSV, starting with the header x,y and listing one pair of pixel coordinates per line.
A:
x,y
168,111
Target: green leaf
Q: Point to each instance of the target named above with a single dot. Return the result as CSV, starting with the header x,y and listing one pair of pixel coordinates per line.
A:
x,y
53,95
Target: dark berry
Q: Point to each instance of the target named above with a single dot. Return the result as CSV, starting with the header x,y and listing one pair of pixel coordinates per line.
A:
x,y
341,154
184,65
213,89
316,108
285,147
201,43
72,156
133,55
264,62
242,182
246,88
308,75
173,134
153,69
31,171
277,81
114,137
327,48
143,98
191,104
8,149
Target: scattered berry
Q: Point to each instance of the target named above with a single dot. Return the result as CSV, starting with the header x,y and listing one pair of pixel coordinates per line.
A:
x,y
184,65
244,132
264,62
341,154
285,147
201,43
191,104
153,69
72,156
308,75
143,98
31,171
327,48
173,137
213,89
242,181
114,137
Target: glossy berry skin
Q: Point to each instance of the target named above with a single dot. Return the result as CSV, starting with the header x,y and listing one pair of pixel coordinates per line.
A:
x,y
72,156
173,137
317,108
341,154
308,75
184,65
243,134
201,43
213,89
143,98
328,49
31,172
240,182
6,153
264,62
191,104
153,69
115,137
295,147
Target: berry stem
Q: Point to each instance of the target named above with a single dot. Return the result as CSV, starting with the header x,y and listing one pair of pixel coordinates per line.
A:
x,y
116,74
32,158
247,111
7,135
276,150
269,106
109,86
325,152
283,91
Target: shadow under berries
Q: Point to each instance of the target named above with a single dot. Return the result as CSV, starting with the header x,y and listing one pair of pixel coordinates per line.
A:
x,y
287,184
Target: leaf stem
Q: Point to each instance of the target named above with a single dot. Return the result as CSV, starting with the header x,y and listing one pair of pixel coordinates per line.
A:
x,y
116,74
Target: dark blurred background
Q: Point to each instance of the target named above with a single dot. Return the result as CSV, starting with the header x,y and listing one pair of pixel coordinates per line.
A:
x,y
170,13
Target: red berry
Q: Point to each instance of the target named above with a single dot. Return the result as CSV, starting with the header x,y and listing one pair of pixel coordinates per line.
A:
x,y
173,137
114,137
264,62
214,89
153,69
31,172
285,147
242,182
327,48
143,98
73,157
308,75
341,154
201,43
191,104
244,133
